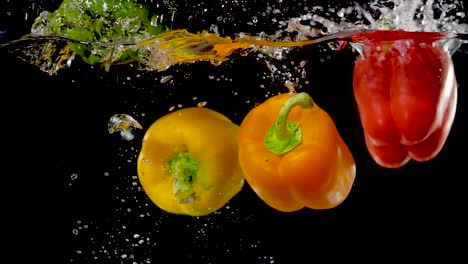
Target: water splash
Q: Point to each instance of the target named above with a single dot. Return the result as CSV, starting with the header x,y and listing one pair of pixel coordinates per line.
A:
x,y
124,124
407,15
337,26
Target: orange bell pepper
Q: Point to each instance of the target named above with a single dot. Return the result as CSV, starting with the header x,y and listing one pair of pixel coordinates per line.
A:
x,y
293,156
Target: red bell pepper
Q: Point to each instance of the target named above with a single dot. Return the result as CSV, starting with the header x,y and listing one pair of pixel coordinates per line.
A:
x,y
406,93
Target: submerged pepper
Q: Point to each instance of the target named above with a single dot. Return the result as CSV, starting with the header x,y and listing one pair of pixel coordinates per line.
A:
x,y
293,156
188,162
406,93
101,23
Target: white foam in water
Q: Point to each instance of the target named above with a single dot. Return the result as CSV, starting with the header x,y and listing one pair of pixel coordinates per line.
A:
x,y
408,15
127,134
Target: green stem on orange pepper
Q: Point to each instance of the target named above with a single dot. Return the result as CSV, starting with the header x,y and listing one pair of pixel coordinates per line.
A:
x,y
183,168
285,135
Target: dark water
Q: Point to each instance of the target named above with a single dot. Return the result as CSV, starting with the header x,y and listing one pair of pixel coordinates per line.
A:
x,y
55,127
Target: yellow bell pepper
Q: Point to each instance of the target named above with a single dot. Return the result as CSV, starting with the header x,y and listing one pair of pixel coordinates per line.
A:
x,y
188,163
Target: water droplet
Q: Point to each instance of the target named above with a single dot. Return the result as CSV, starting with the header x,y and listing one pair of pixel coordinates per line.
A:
x,y
165,79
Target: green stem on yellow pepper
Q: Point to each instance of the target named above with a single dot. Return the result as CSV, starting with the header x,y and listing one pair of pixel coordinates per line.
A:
x,y
285,135
183,169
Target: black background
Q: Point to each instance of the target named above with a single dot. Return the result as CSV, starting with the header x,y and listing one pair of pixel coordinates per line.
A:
x,y
56,126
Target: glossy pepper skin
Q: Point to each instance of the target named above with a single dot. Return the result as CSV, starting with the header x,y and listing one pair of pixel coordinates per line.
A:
x,y
406,93
317,171
188,162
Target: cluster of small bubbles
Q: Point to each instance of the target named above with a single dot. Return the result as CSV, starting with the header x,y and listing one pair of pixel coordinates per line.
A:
x,y
80,226
291,75
328,57
121,239
73,177
135,180
266,260
255,244
129,154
